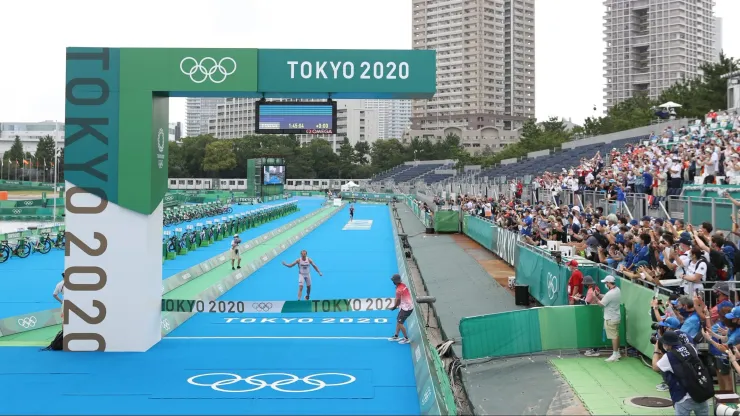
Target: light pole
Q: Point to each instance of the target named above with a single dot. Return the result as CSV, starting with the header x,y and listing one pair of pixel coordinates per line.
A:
x,y
56,170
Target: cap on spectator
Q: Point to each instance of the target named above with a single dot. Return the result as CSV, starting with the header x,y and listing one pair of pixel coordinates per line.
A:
x,y
734,313
602,222
634,222
572,263
659,221
609,279
685,241
396,278
576,208
588,280
670,338
686,235
722,287
646,218
670,322
642,263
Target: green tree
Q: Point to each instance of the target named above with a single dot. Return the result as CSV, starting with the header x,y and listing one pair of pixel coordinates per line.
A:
x,y
219,156
45,152
362,152
193,153
16,154
388,153
346,160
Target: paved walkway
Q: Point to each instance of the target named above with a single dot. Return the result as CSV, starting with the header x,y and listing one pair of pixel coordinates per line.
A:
x,y
468,280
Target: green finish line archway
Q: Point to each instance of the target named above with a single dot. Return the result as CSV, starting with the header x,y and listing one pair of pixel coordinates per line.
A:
x,y
117,116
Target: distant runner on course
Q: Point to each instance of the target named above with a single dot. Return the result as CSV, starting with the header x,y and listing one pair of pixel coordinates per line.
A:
x,y
304,273
351,211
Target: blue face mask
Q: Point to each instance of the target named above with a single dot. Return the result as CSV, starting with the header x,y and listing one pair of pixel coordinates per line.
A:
x,y
684,312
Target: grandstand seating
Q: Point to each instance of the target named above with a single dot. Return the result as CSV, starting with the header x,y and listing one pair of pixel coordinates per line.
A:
x,y
392,172
557,161
435,177
431,177
415,172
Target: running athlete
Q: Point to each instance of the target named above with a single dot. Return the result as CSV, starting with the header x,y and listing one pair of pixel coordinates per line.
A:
x,y
351,211
304,273
403,300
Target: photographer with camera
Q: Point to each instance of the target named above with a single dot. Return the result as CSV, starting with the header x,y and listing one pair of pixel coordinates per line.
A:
x,y
689,382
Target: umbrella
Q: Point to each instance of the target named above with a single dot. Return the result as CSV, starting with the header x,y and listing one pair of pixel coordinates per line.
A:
x,y
670,104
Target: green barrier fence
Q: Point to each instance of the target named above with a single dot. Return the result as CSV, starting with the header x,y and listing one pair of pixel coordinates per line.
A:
x,y
423,216
548,281
8,185
369,196
432,384
536,330
480,230
447,221
29,214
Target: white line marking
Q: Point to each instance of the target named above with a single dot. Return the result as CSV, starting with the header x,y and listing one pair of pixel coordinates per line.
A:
x,y
339,338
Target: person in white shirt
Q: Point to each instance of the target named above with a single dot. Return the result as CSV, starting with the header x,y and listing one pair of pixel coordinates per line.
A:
x,y
696,272
611,302
59,290
234,253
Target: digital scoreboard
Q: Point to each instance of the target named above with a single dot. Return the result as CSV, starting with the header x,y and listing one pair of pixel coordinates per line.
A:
x,y
296,117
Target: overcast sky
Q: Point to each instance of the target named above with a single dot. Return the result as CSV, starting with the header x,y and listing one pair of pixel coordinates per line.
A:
x,y
34,35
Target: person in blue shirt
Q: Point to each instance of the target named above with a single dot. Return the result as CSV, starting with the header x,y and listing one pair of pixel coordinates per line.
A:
x,y
647,179
527,223
643,253
692,322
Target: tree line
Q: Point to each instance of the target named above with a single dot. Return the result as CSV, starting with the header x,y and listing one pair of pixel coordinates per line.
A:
x,y
20,164
208,157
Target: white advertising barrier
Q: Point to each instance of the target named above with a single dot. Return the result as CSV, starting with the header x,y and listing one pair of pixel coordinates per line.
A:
x,y
337,202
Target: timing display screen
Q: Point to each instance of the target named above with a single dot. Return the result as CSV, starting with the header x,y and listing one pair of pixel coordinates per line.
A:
x,y
296,117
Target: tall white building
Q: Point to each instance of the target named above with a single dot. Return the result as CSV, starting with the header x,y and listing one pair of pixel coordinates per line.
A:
x,y
198,111
30,134
485,68
717,37
653,44
394,117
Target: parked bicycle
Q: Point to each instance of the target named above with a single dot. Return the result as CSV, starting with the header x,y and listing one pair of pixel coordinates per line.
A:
x,y
21,249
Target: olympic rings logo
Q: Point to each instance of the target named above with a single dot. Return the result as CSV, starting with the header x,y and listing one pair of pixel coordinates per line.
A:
x,y
216,72
27,322
313,382
27,202
165,324
262,306
16,211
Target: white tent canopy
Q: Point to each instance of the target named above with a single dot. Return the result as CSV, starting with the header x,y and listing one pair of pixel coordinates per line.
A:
x,y
670,104
349,186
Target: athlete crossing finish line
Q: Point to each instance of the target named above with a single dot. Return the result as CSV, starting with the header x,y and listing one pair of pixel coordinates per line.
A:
x,y
304,273
403,300
351,212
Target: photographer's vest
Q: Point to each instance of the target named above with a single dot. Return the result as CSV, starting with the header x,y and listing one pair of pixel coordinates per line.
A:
x,y
689,376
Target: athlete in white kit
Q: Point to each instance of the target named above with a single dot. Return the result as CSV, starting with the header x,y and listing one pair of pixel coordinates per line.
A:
x,y
304,273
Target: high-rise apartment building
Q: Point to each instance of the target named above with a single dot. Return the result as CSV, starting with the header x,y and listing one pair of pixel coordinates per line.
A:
x,y
485,67
394,117
717,37
650,45
198,110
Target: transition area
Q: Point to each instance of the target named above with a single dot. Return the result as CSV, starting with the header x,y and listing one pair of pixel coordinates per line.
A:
x,y
249,363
